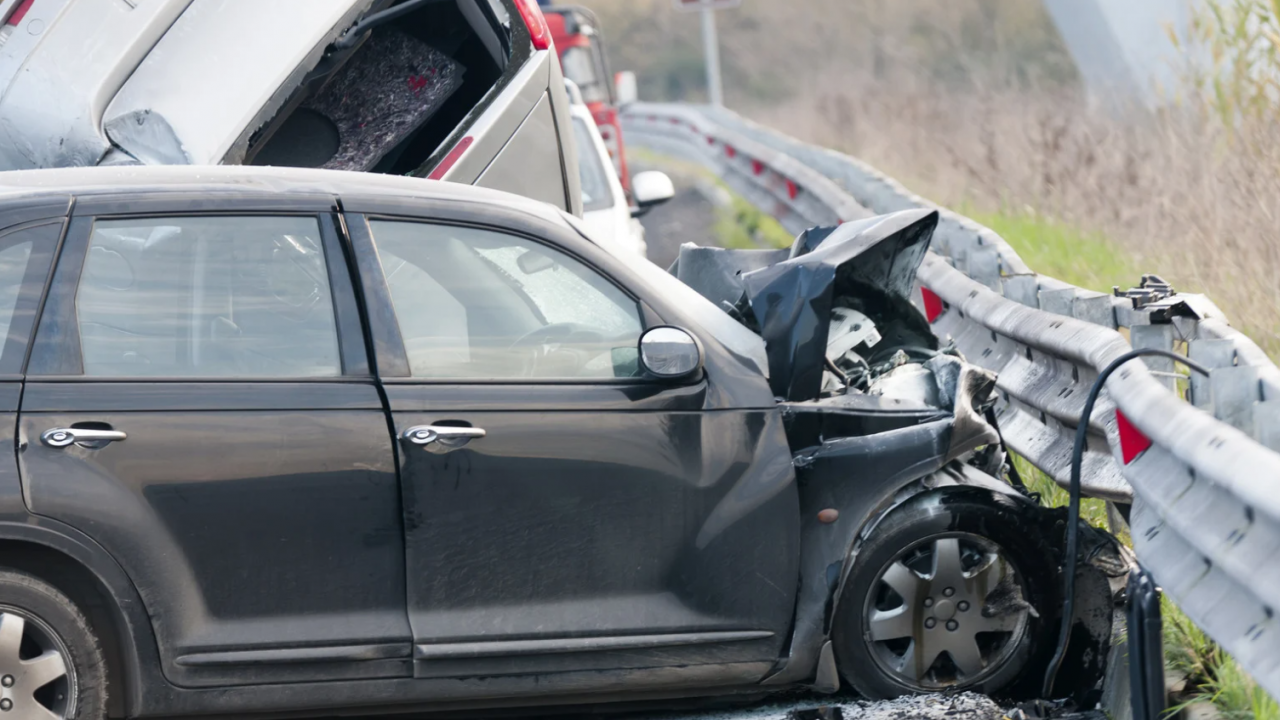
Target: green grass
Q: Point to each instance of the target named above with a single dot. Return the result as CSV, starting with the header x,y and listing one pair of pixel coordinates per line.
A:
x,y
1092,511
1056,249
742,226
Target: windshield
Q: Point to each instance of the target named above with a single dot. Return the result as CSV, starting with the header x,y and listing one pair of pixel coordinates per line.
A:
x,y
596,194
716,322
580,66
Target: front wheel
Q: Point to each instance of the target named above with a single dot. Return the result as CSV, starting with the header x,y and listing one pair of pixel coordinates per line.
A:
x,y
51,665
950,591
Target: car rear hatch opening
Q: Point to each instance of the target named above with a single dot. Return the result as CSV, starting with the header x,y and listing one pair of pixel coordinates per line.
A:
x,y
388,103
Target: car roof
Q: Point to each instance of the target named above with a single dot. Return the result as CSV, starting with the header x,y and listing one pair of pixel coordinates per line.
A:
x,y
15,185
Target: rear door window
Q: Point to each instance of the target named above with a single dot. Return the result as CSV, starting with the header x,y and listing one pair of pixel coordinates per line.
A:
x,y
207,297
25,256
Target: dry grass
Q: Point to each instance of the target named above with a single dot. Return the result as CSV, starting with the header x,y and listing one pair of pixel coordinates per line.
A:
x,y
1176,193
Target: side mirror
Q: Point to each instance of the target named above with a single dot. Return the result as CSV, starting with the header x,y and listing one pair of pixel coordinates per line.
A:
x,y
669,353
650,189
624,84
532,261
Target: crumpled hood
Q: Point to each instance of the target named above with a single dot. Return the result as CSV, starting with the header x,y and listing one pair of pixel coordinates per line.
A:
x,y
787,297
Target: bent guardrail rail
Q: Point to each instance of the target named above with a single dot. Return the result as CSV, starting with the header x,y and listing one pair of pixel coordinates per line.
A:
x,y
1202,473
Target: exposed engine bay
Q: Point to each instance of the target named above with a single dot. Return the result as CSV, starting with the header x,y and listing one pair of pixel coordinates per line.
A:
x,y
845,343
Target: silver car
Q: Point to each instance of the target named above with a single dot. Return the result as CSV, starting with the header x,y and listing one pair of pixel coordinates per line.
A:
x,y
460,90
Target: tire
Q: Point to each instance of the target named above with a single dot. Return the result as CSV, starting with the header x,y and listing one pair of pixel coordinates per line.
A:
x,y
37,624
988,632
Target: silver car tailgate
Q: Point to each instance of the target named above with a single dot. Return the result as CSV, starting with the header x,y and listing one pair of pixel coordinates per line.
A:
x,y
61,77
227,66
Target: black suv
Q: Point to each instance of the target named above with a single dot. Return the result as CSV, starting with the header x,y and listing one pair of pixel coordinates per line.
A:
x,y
290,440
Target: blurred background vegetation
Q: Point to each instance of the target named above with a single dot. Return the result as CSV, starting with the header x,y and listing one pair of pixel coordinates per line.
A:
x,y
977,105
771,49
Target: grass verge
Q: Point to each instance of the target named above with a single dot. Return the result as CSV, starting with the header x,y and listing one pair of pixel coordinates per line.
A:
x,y
1060,251
741,226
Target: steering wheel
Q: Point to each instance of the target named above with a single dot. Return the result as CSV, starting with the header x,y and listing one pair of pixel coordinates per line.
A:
x,y
544,341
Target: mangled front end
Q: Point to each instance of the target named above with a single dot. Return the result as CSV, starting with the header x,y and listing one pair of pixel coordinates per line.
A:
x,y
880,416
849,354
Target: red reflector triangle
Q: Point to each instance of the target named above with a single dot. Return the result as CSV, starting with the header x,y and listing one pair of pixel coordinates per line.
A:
x,y
933,306
1132,442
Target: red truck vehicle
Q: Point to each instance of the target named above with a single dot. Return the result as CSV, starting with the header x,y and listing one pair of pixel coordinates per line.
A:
x,y
576,33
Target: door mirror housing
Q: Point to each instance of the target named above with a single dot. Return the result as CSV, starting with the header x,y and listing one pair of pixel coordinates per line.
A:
x,y
670,353
650,189
624,84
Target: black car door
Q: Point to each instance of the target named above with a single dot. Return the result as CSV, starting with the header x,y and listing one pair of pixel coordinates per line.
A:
x,y
28,244
562,513
199,401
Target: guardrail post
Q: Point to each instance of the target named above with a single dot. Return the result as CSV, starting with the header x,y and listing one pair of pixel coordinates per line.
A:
x,y
984,266
1266,423
1211,354
1058,301
1023,289
1096,308
1236,390
1159,337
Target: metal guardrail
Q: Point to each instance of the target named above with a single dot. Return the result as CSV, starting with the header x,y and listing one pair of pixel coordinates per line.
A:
x,y
1197,458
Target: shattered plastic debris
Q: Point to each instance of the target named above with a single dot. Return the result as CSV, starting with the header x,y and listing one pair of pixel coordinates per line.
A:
x,y
961,706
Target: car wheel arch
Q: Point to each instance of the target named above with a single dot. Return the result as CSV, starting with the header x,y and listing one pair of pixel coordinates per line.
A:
x,y
87,574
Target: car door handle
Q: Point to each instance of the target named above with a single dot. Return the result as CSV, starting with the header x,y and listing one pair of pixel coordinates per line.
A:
x,y
441,438
62,437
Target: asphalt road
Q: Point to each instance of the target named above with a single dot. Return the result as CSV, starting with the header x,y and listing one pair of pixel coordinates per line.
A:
x,y
688,217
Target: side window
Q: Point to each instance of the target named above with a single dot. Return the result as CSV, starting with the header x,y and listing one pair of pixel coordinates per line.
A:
x,y
13,268
207,297
477,304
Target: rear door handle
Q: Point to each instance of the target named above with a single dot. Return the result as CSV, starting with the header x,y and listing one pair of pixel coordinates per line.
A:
x,y
62,437
441,438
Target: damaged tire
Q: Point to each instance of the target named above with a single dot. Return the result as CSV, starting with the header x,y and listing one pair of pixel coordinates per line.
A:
x,y
951,591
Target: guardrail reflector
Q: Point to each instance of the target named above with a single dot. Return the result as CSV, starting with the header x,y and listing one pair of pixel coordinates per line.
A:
x,y
933,306
757,167
792,189
1132,442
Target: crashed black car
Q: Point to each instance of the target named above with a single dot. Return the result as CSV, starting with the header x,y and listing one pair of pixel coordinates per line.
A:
x,y
301,441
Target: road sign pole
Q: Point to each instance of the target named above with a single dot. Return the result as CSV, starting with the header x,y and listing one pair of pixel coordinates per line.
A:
x,y
711,46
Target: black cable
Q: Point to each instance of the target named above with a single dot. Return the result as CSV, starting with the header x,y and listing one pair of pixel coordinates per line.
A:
x,y
1073,506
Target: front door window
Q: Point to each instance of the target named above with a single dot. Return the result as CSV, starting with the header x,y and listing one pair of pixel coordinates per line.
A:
x,y
478,304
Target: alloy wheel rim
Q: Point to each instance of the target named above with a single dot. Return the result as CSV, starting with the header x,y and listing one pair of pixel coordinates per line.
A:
x,y
945,611
37,678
